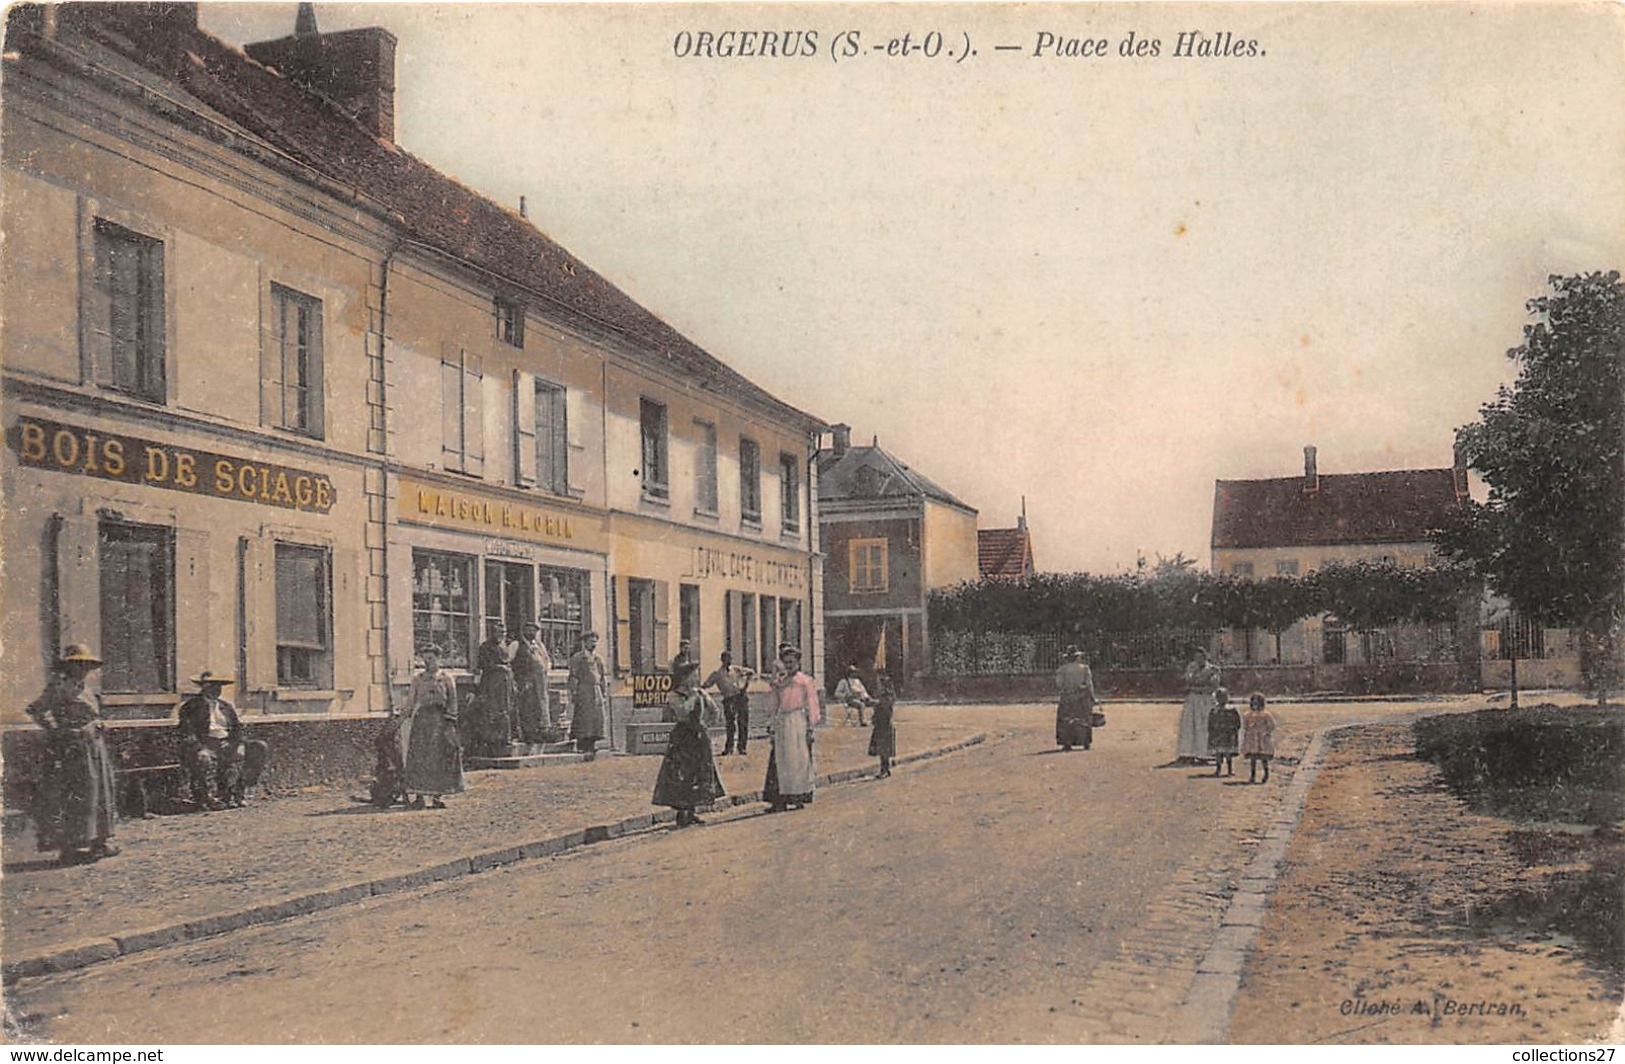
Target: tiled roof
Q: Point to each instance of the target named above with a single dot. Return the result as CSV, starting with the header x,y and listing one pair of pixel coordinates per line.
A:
x,y
1003,553
1402,506
842,477
431,207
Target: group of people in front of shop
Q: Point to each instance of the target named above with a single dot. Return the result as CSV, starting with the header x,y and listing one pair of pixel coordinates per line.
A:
x,y
1210,727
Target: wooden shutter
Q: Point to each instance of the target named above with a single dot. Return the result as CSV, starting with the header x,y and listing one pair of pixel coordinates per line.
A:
x,y
78,582
662,624
99,308
524,429
150,294
315,414
351,644
451,407
258,559
572,432
474,414
620,606
197,638
271,361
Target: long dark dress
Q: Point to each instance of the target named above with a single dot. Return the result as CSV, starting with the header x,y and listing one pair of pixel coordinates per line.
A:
x,y
1074,716
496,701
434,759
530,691
883,736
688,773
77,802
1223,730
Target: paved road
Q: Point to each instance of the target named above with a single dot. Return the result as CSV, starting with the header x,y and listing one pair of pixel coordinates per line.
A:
x,y
1010,893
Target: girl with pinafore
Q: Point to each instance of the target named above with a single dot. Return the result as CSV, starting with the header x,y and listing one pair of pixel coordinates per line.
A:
x,y
1223,727
1258,738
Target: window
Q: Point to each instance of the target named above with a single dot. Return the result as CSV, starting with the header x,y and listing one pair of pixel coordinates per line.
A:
x,y
304,623
1286,567
552,440
652,418
137,570
462,412
688,617
1241,569
867,565
562,610
789,492
443,605
127,313
510,322
705,469
790,621
291,364
750,481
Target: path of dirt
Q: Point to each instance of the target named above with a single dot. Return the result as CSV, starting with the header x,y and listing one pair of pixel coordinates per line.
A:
x,y
1401,917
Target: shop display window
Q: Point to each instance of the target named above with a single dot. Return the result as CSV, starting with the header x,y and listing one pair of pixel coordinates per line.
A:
x,y
561,610
442,605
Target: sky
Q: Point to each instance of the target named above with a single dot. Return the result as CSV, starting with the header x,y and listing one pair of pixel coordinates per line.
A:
x,y
1096,282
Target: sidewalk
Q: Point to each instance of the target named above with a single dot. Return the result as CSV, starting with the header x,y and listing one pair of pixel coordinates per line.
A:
x,y
182,877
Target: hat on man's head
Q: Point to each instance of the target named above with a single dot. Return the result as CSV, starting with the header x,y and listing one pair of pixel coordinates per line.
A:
x,y
77,654
789,648
204,678
433,648
530,626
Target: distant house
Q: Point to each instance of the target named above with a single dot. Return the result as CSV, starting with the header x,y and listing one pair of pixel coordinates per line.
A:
x,y
1289,526
1005,553
889,535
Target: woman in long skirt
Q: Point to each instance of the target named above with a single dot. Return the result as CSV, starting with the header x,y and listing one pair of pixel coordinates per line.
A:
x,y
77,804
795,713
589,695
434,757
1201,680
1075,715
688,773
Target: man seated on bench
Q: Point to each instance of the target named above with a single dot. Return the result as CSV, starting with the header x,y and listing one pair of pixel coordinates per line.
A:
x,y
851,693
222,761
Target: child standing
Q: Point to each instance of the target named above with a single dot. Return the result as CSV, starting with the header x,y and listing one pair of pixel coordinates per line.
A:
x,y
1223,727
1258,743
883,737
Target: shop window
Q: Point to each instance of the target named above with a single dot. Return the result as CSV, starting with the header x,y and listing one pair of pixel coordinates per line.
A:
x,y
304,619
769,630
137,574
790,492
640,605
562,610
750,481
790,621
705,469
127,312
688,617
291,366
443,605
652,419
462,412
552,439
866,566
509,596
510,322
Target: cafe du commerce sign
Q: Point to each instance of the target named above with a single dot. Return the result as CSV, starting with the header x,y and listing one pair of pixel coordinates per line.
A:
x,y
110,456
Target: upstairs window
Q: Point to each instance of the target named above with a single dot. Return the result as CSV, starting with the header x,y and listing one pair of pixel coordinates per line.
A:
x,y
1241,569
127,313
291,366
750,481
1286,567
510,322
866,566
789,492
552,439
652,421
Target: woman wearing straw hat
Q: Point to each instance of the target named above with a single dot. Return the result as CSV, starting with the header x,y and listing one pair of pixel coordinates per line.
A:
x,y
434,758
77,804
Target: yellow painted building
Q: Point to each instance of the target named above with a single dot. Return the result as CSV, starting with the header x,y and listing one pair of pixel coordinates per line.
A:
x,y
284,401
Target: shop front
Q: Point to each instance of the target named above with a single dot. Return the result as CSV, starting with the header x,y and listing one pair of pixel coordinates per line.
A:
x,y
463,558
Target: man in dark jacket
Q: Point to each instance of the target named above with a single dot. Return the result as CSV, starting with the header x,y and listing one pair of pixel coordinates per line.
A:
x,y
222,761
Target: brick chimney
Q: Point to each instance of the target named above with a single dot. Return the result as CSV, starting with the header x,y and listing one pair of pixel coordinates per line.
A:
x,y
1311,475
355,69
843,439
1458,472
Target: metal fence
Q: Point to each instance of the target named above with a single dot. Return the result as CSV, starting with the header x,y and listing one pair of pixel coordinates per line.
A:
x,y
1012,653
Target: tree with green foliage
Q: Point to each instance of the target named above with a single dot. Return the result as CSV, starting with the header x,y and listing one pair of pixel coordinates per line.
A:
x,y
1551,448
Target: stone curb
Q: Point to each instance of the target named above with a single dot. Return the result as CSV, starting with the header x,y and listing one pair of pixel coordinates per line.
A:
x,y
1204,1017
96,951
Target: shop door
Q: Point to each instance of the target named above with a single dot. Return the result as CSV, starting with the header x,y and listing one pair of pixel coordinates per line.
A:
x,y
510,595
640,612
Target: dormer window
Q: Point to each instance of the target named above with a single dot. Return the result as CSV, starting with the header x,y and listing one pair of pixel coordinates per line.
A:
x,y
868,481
510,322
